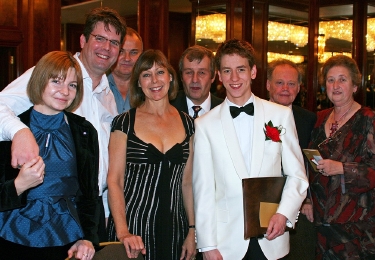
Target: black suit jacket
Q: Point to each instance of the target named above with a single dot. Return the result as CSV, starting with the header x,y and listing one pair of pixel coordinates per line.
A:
x,y
87,151
305,121
180,102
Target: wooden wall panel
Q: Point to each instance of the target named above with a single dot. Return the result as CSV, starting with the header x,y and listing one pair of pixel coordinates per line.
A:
x,y
32,27
179,37
153,24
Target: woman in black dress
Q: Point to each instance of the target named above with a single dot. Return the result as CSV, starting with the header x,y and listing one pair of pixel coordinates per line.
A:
x,y
152,203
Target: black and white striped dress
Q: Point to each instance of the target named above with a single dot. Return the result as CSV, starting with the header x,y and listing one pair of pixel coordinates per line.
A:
x,y
153,190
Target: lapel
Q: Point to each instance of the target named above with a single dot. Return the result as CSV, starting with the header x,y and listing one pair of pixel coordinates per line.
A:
x,y
232,141
258,137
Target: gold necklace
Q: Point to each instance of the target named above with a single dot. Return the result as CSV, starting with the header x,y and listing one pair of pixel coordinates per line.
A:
x,y
335,125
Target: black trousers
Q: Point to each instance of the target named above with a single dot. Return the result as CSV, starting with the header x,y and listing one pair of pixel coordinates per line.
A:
x,y
254,252
102,229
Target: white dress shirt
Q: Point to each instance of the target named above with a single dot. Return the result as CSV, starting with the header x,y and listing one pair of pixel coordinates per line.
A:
x,y
243,124
206,106
98,107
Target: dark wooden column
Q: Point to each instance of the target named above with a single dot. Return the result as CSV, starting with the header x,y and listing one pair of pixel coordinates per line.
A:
x,y
153,24
359,44
260,44
312,58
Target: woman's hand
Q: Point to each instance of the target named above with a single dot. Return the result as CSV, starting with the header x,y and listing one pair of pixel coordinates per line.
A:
x,y
189,247
31,174
82,249
307,210
133,245
329,167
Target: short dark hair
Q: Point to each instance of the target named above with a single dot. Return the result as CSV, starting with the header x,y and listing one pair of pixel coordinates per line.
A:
x,y
234,46
54,64
279,62
197,53
146,61
342,61
108,17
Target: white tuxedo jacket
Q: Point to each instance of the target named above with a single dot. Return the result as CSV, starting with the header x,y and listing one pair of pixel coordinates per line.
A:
x,y
219,168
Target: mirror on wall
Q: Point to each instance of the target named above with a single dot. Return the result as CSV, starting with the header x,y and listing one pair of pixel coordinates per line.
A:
x,y
335,37
210,26
288,39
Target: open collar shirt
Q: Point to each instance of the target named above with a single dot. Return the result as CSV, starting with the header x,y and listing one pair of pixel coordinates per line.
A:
x,y
99,108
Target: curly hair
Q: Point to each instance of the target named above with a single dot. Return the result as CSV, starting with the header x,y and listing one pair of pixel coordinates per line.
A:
x,y
341,61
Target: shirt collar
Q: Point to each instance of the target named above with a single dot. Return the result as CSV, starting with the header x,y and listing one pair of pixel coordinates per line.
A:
x,y
206,105
103,85
251,99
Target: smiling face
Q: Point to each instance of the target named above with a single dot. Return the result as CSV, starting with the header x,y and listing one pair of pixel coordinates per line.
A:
x,y
99,56
129,54
340,87
283,86
58,94
155,82
196,78
236,75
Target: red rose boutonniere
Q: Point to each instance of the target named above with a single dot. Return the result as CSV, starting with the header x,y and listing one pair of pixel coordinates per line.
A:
x,y
273,132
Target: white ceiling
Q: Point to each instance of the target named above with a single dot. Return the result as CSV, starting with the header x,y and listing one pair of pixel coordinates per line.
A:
x,y
76,13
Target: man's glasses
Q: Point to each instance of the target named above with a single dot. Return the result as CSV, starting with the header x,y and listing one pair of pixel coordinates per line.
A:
x,y
102,39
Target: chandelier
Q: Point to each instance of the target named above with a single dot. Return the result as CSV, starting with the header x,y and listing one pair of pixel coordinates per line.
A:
x,y
370,37
275,56
339,29
212,26
298,35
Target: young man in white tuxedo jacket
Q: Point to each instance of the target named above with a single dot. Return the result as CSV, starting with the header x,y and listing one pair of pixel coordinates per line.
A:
x,y
227,150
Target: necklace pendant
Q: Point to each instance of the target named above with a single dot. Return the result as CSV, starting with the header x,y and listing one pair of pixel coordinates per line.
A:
x,y
334,128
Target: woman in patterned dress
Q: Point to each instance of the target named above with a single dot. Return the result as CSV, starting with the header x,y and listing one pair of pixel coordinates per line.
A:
x,y
343,190
150,167
48,207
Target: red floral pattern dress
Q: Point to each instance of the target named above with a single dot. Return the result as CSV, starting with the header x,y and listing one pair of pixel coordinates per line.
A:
x,y
344,205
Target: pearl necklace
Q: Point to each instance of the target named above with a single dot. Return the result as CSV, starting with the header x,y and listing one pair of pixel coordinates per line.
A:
x,y
335,125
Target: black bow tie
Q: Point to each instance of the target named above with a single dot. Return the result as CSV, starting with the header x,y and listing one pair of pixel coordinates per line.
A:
x,y
248,109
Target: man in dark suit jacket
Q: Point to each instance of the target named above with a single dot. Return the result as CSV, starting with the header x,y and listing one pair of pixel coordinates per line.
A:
x,y
197,70
283,83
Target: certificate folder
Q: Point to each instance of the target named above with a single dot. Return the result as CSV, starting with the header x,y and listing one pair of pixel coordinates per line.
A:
x,y
261,197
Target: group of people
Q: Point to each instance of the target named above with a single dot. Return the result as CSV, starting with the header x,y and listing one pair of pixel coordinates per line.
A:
x,y
89,157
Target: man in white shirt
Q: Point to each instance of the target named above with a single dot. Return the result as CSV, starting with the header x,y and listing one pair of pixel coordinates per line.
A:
x,y
231,143
197,71
101,40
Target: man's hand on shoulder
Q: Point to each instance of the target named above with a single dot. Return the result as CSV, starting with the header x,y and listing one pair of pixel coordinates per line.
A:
x,y
24,147
212,255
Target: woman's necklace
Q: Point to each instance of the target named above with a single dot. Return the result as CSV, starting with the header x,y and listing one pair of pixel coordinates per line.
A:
x,y
335,125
